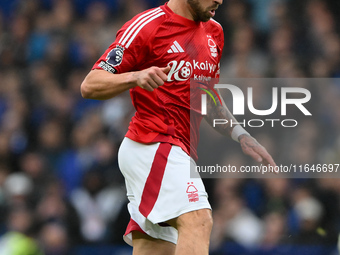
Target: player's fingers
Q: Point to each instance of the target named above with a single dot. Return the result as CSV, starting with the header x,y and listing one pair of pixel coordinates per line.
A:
x,y
250,152
152,83
165,69
267,159
148,84
146,87
157,79
163,73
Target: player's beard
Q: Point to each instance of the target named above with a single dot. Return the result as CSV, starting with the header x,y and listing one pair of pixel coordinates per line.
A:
x,y
198,12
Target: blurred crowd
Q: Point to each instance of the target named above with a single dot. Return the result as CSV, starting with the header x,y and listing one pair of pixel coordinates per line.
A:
x,y
60,184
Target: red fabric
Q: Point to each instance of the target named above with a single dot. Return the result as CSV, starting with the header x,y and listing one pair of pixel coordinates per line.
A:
x,y
149,40
154,181
133,226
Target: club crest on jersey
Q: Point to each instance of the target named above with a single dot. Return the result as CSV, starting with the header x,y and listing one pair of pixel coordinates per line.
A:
x,y
212,46
115,56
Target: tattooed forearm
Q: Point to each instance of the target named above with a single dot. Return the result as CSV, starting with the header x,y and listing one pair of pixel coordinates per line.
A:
x,y
219,112
249,143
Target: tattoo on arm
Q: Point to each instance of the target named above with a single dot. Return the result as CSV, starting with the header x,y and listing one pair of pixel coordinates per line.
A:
x,y
249,143
219,112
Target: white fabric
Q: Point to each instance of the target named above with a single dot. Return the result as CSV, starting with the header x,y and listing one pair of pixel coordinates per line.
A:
x,y
179,192
237,131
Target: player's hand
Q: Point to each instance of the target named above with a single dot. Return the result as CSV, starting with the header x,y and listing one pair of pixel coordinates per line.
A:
x,y
255,150
153,77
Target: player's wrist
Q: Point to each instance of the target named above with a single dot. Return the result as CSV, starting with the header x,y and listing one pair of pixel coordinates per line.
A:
x,y
132,79
237,132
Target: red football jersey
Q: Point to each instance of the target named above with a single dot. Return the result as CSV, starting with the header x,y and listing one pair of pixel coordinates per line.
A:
x,y
159,37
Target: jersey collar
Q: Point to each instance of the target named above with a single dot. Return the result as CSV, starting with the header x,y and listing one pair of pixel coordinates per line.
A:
x,y
181,19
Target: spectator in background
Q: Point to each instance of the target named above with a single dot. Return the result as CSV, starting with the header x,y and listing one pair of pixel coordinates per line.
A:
x,y
309,212
33,165
246,59
97,205
4,172
54,239
18,189
51,143
275,230
53,208
232,219
267,14
19,238
42,115
276,195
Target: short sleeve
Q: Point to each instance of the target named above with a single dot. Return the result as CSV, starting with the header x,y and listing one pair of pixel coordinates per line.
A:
x,y
133,43
117,58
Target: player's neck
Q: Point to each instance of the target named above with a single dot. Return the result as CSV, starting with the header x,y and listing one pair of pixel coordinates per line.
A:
x,y
180,7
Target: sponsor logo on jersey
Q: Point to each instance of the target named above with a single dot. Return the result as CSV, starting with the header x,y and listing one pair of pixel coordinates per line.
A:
x,y
175,48
115,56
182,70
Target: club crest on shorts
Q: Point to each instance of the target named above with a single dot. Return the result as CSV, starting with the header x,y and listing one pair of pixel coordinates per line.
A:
x,y
115,56
192,192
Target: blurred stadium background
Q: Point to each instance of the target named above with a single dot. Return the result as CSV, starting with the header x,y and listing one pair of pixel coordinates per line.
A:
x,y
60,186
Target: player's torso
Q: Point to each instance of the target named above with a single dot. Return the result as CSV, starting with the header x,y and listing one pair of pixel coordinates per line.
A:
x,y
191,52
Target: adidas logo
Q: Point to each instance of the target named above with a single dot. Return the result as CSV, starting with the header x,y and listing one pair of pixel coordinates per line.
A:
x,y
175,48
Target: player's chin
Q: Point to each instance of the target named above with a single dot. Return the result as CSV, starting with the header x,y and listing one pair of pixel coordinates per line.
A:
x,y
206,18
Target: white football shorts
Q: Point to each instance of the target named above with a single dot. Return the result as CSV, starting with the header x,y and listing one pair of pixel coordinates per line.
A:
x,y
159,187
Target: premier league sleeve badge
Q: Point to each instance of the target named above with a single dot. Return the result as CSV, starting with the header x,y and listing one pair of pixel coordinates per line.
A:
x,y
115,56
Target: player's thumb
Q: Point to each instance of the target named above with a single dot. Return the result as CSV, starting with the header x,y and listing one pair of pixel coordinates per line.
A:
x,y
166,69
